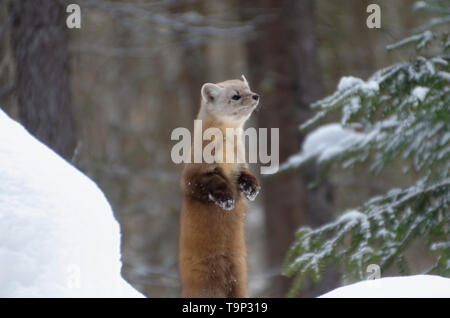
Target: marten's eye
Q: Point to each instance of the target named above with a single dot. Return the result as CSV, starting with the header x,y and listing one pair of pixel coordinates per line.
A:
x,y
236,97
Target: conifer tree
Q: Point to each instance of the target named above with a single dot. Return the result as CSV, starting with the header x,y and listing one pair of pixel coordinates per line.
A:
x,y
401,111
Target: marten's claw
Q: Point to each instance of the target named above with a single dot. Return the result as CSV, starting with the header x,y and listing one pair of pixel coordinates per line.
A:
x,y
249,186
250,191
222,201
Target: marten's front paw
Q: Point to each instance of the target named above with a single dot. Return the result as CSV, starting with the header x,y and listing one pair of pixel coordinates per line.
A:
x,y
213,187
249,185
223,198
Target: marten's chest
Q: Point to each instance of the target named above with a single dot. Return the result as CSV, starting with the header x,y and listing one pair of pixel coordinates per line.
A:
x,y
224,148
229,155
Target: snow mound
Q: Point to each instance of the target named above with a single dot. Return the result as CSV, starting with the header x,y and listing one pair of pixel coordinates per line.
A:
x,y
419,286
58,235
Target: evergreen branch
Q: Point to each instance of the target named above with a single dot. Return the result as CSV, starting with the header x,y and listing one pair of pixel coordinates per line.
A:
x,y
433,23
421,40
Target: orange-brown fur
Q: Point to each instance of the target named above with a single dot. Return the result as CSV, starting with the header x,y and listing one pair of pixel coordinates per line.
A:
x,y
212,250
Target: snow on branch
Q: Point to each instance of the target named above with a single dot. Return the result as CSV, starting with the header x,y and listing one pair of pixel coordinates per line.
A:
x,y
421,40
434,23
412,99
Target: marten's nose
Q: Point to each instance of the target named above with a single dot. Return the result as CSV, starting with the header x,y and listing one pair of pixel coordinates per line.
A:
x,y
255,96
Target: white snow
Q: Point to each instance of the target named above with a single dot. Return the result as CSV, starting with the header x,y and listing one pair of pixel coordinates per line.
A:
x,y
324,142
347,82
328,140
420,5
420,92
351,108
354,217
58,235
423,286
444,75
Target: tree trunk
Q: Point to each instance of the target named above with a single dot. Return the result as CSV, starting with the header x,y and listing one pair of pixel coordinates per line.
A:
x,y
39,43
193,69
363,58
284,68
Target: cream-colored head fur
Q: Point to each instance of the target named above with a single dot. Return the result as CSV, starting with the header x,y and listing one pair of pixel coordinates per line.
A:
x,y
230,101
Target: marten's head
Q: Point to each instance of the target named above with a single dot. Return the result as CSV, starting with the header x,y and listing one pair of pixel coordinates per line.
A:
x,y
230,101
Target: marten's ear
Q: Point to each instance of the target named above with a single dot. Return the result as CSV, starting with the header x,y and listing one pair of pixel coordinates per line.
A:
x,y
210,92
244,79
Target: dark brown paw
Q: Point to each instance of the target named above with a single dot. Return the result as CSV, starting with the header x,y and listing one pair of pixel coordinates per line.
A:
x,y
249,186
213,187
222,198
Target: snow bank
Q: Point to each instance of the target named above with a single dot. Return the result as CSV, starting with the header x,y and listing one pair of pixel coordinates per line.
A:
x,y
58,235
420,286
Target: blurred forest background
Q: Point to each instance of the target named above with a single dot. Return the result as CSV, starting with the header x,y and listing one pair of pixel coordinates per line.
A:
x,y
108,95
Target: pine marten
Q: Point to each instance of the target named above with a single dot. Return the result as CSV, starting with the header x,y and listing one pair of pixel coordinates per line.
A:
x,y
212,251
